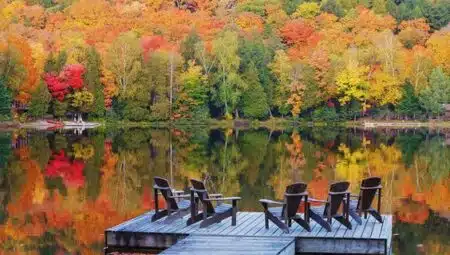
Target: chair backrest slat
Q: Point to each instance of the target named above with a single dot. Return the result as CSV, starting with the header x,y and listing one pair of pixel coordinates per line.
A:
x,y
293,201
163,186
336,199
367,195
202,193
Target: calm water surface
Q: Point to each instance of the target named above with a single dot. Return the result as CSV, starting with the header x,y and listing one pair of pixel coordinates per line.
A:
x,y
60,190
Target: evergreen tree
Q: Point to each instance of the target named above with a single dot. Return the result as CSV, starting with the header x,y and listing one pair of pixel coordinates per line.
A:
x,y
379,6
5,100
188,47
60,61
92,81
40,100
437,15
256,55
409,105
433,97
290,6
50,63
254,99
333,6
59,108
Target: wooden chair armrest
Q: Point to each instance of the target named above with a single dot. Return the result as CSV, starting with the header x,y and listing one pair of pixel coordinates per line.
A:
x,y
296,194
317,200
339,193
369,188
223,199
180,196
268,201
215,195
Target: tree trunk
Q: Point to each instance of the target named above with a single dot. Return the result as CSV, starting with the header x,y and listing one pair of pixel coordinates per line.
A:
x,y
171,83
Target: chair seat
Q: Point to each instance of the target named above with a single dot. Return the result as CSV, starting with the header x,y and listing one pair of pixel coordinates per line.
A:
x,y
276,211
184,204
222,208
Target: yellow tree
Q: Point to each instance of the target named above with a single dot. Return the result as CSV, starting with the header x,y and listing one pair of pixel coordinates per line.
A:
x,y
439,45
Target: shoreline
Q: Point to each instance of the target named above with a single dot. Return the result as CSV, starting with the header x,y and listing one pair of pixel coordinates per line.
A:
x,y
272,124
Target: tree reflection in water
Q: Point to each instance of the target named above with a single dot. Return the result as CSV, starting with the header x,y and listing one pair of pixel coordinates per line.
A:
x,y
59,191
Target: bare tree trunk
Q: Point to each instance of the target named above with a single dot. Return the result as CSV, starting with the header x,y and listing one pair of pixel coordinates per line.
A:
x,y
171,83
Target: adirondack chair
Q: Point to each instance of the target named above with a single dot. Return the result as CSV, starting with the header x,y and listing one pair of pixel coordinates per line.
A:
x,y
338,194
287,209
213,214
176,204
363,202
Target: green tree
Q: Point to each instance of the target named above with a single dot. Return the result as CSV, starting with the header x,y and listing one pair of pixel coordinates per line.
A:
x,y
334,7
40,100
437,93
290,6
92,81
230,86
256,55
254,100
437,15
193,93
409,105
379,6
160,73
5,100
59,108
187,47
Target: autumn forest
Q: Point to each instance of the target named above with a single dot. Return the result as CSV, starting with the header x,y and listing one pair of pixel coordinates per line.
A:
x,y
155,60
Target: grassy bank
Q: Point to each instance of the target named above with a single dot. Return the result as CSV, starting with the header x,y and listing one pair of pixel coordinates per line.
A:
x,y
278,124
271,124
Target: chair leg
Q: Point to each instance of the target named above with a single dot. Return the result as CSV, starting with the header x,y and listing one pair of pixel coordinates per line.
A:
x,y
158,215
344,221
266,219
317,218
176,215
194,219
277,222
234,213
216,218
355,216
376,215
303,223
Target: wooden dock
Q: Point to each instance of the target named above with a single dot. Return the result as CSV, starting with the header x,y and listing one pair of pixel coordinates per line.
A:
x,y
140,233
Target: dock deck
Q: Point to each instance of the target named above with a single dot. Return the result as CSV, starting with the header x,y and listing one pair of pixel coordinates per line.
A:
x,y
140,233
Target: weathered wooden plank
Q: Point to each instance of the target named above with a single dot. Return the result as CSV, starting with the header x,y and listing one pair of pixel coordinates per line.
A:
x,y
342,229
254,224
369,238
349,232
260,226
376,230
339,246
245,220
239,227
388,239
369,228
240,245
359,231
129,224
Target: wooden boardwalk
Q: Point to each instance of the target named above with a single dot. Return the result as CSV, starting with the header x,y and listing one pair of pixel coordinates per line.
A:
x,y
369,238
236,245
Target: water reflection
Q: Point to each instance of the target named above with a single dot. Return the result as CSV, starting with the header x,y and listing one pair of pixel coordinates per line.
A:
x,y
59,191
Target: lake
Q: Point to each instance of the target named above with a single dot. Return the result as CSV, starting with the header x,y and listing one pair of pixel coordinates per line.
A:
x,y
59,190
